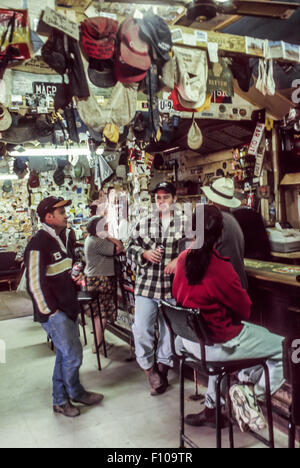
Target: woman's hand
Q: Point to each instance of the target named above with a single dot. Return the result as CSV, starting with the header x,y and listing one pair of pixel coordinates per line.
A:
x,y
171,267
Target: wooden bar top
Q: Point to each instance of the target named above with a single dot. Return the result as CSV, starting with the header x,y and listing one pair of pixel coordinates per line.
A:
x,y
275,272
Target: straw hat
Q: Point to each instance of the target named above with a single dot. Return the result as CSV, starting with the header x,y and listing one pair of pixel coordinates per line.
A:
x,y
221,191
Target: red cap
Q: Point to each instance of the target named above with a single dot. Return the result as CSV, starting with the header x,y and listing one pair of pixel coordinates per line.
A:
x,y
126,74
98,37
133,51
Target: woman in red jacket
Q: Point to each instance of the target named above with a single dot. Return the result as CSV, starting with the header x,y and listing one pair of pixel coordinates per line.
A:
x,y
207,281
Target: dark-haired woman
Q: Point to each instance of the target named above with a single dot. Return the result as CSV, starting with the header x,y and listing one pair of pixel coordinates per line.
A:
x,y
100,251
207,281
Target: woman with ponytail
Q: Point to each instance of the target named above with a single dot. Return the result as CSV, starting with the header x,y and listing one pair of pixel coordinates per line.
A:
x,y
204,280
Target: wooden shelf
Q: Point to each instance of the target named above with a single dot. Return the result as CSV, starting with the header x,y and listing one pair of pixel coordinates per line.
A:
x,y
291,179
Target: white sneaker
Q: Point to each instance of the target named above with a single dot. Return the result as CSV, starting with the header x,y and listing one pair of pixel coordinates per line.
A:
x,y
246,409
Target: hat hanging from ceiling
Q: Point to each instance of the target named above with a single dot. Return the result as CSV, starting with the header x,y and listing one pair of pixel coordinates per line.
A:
x,y
111,132
133,50
98,37
59,177
155,31
101,73
195,137
7,186
5,118
221,192
20,167
191,77
33,181
133,59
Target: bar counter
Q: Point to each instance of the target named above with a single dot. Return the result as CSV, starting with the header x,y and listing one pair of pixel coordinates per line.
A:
x,y
274,289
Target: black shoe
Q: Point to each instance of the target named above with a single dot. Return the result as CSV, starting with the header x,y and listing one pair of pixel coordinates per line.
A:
x,y
156,381
207,418
67,410
163,370
89,399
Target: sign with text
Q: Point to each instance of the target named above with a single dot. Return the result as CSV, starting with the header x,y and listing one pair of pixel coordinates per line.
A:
x,y
256,139
61,22
48,89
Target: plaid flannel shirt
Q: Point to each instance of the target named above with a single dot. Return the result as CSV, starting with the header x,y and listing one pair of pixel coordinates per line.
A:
x,y
149,234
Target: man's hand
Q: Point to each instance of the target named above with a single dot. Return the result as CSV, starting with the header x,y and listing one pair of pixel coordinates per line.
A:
x,y
119,245
78,278
171,267
152,256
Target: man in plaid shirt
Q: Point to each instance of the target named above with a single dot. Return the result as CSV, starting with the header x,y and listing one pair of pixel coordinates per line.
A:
x,y
154,248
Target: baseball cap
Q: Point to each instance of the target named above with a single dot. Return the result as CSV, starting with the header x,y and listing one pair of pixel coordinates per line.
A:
x,y
133,50
50,203
156,32
101,73
167,187
98,37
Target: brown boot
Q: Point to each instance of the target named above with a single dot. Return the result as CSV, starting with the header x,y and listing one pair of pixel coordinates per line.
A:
x,y
67,410
90,399
207,417
156,381
163,370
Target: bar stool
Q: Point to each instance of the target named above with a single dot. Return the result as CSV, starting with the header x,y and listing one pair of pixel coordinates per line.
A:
x,y
189,324
86,298
292,375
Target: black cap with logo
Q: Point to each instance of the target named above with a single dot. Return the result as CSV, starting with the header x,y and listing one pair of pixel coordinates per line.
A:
x,y
167,187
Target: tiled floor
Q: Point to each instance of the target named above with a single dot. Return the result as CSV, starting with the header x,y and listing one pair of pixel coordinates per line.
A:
x,y
128,417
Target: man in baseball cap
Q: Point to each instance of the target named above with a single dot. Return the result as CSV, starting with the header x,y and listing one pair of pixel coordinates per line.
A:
x,y
154,248
48,259
167,187
49,205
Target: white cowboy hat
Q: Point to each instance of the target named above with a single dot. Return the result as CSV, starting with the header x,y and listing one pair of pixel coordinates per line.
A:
x,y
221,191
5,118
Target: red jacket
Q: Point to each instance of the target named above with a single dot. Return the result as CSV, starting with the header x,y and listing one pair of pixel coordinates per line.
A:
x,y
220,296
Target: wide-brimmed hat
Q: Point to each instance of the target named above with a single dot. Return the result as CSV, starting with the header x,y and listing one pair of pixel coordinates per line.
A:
x,y
221,192
5,118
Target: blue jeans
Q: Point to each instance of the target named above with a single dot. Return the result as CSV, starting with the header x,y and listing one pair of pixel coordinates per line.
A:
x,y
147,314
64,334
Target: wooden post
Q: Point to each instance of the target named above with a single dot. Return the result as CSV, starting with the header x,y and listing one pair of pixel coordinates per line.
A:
x,y
276,171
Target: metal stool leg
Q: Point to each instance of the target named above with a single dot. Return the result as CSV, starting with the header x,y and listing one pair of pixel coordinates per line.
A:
x,y
269,406
102,328
231,439
181,389
292,434
219,411
83,324
95,338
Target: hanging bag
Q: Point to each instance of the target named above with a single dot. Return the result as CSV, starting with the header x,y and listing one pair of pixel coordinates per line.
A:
x,y
15,41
